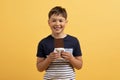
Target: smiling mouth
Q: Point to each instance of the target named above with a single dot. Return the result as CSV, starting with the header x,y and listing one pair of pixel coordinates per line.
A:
x,y
57,28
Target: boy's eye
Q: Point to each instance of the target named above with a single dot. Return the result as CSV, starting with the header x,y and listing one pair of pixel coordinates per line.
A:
x,y
60,20
53,20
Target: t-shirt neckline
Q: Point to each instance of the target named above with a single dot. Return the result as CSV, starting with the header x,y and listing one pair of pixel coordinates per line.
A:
x,y
60,38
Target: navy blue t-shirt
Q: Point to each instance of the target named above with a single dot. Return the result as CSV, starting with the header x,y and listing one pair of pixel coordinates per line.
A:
x,y
46,46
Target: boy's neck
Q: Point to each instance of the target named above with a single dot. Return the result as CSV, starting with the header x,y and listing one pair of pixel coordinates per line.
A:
x,y
57,36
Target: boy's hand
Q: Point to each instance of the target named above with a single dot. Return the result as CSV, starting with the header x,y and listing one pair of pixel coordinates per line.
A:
x,y
66,55
53,56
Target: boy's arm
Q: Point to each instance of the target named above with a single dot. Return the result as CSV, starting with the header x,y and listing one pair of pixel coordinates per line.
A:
x,y
42,63
76,62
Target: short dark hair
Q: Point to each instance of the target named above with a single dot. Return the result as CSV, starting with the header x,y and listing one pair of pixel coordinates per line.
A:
x,y
58,10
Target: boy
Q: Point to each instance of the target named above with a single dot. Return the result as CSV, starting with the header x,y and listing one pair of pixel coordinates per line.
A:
x,y
59,53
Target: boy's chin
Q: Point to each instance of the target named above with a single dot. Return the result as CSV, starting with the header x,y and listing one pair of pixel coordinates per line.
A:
x,y
58,32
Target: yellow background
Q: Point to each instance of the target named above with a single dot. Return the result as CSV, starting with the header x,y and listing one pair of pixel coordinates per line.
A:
x,y
96,23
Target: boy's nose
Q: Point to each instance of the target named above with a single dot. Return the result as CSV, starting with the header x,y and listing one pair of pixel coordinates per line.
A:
x,y
57,22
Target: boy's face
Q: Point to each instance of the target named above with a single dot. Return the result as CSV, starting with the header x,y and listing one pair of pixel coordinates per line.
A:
x,y
57,23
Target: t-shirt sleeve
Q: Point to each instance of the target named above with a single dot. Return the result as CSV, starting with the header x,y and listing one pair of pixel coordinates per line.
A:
x,y
40,50
77,49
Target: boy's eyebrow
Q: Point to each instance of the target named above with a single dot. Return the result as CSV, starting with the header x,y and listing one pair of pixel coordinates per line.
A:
x,y
53,18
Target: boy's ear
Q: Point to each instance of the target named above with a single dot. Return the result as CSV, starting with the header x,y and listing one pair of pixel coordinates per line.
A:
x,y
48,21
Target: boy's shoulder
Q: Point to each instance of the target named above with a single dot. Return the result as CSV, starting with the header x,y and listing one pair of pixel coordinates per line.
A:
x,y
71,37
47,38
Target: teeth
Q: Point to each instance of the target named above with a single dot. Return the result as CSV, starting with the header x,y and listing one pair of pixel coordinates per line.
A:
x,y
57,28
